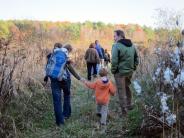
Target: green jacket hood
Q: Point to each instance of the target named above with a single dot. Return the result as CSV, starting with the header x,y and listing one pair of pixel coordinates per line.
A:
x,y
126,42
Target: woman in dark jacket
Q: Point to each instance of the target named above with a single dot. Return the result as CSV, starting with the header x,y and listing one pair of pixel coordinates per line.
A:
x,y
92,59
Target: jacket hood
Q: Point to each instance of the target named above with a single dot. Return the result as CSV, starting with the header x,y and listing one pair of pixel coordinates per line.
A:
x,y
103,82
126,42
63,50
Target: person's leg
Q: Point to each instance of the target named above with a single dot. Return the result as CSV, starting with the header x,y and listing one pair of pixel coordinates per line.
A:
x,y
56,93
69,87
94,69
128,92
106,64
98,67
102,64
104,111
98,110
89,66
120,84
65,84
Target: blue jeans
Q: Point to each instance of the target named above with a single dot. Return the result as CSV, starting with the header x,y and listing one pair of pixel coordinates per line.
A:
x,y
66,90
56,87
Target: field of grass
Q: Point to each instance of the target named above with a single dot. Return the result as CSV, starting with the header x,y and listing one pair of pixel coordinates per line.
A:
x,y
83,123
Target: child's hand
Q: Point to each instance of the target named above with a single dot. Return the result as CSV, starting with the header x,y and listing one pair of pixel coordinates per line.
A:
x,y
82,80
113,94
93,97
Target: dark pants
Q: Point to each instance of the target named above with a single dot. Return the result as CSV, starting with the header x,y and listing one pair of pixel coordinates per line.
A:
x,y
124,92
65,85
91,66
56,87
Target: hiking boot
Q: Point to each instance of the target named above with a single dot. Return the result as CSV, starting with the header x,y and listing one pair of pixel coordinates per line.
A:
x,y
66,118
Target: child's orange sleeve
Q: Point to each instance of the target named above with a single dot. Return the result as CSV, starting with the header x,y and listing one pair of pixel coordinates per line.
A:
x,y
112,88
91,85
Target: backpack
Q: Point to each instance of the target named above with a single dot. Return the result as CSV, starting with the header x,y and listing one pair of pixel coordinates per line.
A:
x,y
106,57
55,67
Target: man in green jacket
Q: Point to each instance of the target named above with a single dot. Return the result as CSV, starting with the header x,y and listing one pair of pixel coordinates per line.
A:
x,y
124,63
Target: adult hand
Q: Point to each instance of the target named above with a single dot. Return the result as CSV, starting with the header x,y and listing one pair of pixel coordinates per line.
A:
x,y
70,61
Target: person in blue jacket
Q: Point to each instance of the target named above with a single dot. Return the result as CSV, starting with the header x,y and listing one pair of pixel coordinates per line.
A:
x,y
100,53
64,112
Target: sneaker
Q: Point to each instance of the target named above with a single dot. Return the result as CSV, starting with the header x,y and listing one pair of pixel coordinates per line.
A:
x,y
102,124
103,128
59,125
97,126
66,117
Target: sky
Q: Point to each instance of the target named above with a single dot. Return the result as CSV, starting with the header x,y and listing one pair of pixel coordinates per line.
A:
x,y
109,11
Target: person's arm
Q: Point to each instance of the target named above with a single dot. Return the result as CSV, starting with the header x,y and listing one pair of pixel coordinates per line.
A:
x,y
73,72
97,57
114,59
91,85
85,56
99,50
112,89
136,59
46,77
101,53
109,58
48,56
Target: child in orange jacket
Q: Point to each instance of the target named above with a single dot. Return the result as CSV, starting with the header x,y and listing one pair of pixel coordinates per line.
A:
x,y
103,89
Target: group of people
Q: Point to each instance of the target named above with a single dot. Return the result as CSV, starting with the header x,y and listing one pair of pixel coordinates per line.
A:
x,y
123,63
96,57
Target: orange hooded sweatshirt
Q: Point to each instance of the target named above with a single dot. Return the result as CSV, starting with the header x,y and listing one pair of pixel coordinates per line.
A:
x,y
103,90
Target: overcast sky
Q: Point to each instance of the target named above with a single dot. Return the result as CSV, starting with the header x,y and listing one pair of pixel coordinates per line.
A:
x,y
108,11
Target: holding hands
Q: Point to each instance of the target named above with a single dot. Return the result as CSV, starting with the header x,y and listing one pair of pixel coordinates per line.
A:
x,y
83,80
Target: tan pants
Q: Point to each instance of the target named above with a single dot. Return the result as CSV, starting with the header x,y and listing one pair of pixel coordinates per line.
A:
x,y
124,92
